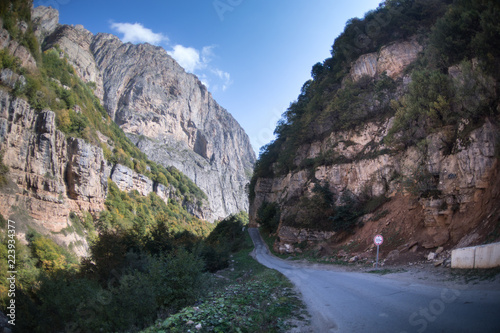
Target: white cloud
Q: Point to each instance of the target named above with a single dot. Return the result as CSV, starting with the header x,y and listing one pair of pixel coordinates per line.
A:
x,y
187,57
207,54
224,76
137,33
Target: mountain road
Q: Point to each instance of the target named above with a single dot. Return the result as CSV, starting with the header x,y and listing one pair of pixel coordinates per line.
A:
x,y
343,301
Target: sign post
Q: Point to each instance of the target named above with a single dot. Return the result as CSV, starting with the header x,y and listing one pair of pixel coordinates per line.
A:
x,y
378,240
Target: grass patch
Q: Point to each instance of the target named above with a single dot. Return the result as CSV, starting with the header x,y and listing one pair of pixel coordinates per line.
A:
x,y
247,297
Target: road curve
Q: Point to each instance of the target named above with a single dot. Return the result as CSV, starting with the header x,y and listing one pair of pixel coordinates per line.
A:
x,y
361,302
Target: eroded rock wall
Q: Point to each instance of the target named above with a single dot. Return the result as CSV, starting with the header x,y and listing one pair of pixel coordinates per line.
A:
x,y
439,195
461,179
392,59
49,175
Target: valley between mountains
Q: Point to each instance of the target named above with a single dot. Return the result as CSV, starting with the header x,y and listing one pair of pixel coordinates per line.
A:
x,y
129,198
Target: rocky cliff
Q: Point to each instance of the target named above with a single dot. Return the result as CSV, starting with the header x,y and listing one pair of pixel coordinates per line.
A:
x,y
53,177
466,187
167,113
50,176
441,192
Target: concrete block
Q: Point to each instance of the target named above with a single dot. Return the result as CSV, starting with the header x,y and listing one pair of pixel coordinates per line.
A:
x,y
487,256
463,258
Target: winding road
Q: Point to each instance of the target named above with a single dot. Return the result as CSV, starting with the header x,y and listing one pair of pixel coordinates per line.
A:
x,y
360,302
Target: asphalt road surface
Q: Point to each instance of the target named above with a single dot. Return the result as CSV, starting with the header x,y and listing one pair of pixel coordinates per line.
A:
x,y
361,302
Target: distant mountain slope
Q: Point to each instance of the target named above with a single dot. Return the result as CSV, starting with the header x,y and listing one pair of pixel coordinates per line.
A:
x,y
167,112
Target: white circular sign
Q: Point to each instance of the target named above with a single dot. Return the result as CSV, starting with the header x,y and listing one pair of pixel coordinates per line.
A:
x,y
378,240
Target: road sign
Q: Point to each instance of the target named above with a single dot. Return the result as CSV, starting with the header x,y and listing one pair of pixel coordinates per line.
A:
x,y
378,240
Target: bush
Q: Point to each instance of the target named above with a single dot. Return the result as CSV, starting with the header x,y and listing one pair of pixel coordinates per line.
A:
x,y
9,61
469,29
346,215
427,105
51,257
4,170
227,237
268,216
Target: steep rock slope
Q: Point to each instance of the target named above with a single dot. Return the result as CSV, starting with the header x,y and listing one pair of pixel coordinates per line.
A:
x,y
50,176
167,112
398,140
466,182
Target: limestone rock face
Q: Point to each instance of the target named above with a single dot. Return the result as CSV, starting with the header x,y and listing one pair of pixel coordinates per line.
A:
x,y
440,196
16,49
167,112
392,59
45,21
50,176
459,186
127,180
75,42
87,171
462,179
148,94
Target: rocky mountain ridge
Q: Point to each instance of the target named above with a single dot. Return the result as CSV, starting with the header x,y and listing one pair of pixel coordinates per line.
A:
x,y
167,112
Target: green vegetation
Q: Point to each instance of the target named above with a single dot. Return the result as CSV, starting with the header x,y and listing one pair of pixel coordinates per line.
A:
x,y
435,100
9,61
320,211
15,11
421,183
268,216
225,239
313,212
4,170
247,298
132,210
469,29
40,256
129,280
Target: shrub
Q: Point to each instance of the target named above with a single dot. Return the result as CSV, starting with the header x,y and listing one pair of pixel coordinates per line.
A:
x,y
427,105
268,215
469,29
51,257
227,237
4,170
178,279
346,215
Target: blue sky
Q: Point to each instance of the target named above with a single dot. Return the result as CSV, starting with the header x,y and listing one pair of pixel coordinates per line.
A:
x,y
254,55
